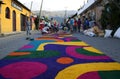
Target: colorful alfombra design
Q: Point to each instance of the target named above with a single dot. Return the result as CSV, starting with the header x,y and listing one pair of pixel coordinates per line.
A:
x,y
58,56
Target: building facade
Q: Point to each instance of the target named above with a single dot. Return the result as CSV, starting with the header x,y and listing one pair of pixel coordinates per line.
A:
x,y
13,15
92,10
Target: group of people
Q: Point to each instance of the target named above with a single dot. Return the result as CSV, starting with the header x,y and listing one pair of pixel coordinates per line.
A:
x,y
48,27
76,24
72,25
88,27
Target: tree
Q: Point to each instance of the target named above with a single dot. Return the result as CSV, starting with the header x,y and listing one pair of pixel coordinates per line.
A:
x,y
111,15
36,23
115,2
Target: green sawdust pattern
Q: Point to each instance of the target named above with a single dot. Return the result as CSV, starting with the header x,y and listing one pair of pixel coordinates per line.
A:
x,y
88,53
76,40
37,54
109,74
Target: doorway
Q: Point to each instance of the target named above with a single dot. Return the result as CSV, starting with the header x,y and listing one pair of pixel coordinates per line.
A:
x,y
14,21
22,21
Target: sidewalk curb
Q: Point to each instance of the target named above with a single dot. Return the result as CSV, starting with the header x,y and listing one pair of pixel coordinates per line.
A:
x,y
9,34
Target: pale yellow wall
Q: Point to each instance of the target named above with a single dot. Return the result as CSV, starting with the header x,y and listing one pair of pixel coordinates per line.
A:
x,y
6,24
0,18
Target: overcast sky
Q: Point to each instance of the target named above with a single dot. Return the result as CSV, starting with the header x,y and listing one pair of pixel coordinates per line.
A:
x,y
53,5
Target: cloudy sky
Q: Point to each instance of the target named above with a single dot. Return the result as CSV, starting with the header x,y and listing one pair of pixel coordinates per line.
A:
x,y
53,5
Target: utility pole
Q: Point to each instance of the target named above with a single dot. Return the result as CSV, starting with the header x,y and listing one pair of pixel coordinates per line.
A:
x,y
31,14
65,15
39,16
31,6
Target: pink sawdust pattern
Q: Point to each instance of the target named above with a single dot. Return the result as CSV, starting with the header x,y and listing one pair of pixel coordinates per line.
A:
x,y
27,47
89,75
70,39
23,70
71,50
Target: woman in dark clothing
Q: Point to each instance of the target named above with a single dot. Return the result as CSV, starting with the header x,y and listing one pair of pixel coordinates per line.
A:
x,y
75,25
79,24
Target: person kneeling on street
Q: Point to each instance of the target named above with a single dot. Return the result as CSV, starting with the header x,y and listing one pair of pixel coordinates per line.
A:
x,y
46,30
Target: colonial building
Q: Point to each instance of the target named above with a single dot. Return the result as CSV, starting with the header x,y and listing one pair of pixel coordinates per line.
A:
x,y
12,16
93,10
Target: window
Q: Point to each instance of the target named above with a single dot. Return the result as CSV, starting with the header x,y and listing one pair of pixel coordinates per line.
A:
x,y
7,13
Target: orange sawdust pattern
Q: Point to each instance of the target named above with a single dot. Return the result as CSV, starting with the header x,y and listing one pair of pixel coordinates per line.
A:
x,y
49,38
65,35
44,38
65,60
19,53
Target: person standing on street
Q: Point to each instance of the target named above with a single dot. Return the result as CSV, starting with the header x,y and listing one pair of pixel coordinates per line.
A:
x,y
75,25
79,24
71,24
27,24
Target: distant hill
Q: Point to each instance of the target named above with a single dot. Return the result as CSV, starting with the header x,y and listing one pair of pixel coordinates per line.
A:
x,y
57,15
